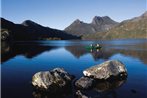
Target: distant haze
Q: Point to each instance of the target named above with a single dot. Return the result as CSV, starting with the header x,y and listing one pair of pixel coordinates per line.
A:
x,y
61,13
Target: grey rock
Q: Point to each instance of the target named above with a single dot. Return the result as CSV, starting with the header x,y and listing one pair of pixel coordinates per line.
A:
x,y
53,80
5,35
80,95
84,83
106,70
102,24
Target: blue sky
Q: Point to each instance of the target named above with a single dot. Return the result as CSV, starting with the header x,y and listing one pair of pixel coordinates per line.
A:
x,y
61,13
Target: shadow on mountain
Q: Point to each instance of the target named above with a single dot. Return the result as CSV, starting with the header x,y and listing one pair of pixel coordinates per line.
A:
x,y
10,50
30,30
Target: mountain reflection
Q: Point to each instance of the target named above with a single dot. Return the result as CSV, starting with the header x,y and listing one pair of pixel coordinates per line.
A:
x,y
106,52
32,49
104,86
79,51
10,50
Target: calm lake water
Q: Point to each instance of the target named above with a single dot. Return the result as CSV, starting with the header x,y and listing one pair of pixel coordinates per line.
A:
x,y
21,60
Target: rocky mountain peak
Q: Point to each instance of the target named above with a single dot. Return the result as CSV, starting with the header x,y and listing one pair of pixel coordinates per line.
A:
x,y
97,20
103,17
98,24
144,14
77,21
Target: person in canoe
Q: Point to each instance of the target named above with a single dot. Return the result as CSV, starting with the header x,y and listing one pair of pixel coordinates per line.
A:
x,y
98,46
92,47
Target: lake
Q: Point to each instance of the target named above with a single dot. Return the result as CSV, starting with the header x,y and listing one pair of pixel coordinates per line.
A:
x,y
21,60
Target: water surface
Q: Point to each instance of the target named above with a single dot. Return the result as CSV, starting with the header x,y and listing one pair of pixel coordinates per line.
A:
x,y
21,60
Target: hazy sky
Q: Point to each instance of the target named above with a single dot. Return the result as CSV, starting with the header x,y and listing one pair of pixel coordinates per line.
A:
x,y
61,13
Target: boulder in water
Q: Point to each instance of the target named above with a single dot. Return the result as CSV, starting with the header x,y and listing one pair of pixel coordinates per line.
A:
x,y
106,70
84,83
52,81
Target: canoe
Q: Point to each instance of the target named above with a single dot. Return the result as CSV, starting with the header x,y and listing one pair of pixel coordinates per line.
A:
x,y
93,47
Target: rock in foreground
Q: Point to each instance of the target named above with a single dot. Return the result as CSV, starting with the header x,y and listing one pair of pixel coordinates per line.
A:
x,y
79,94
106,70
84,83
53,81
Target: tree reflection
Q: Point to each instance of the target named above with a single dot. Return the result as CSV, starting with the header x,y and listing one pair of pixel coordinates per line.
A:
x,y
29,50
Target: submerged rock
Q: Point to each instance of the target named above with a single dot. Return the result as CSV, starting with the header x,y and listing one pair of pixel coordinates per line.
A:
x,y
96,81
106,70
104,86
79,94
101,80
53,81
101,89
84,83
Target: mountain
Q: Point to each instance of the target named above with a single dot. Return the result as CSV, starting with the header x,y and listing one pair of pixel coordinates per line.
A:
x,y
132,28
29,30
79,28
98,24
102,24
100,28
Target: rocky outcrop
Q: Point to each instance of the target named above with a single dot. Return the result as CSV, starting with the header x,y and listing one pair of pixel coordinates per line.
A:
x,y
84,83
101,89
79,94
102,24
97,79
52,81
5,35
101,78
87,83
106,70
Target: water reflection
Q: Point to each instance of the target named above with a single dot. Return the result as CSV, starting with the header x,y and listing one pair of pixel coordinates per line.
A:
x,y
104,86
10,50
32,49
66,93
106,52
103,89
21,60
79,51
45,95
